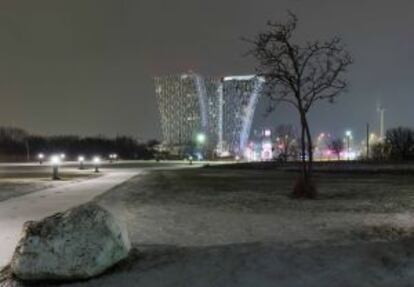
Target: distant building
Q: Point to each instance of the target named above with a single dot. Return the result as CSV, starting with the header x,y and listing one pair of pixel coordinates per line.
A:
x,y
221,110
240,97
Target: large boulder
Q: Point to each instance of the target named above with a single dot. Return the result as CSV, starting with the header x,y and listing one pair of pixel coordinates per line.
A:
x,y
77,244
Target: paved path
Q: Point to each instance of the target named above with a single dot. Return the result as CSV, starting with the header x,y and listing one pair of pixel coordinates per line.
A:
x,y
15,211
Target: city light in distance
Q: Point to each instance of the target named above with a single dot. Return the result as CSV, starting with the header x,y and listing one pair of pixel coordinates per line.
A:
x,y
201,138
113,156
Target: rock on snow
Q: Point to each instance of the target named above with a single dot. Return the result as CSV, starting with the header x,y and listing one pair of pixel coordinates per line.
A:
x,y
77,244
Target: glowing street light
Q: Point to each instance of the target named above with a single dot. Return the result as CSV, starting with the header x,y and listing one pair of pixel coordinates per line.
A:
x,y
190,160
81,160
96,163
112,157
55,161
62,156
40,157
201,138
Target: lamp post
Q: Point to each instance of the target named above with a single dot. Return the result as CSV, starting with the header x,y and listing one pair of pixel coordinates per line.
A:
x,y
40,157
201,139
348,139
81,161
113,157
96,163
55,161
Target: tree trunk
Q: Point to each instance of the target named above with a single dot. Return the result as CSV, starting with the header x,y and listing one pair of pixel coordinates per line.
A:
x,y
303,150
309,147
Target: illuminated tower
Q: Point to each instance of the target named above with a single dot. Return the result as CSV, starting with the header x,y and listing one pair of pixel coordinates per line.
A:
x,y
188,107
220,109
240,97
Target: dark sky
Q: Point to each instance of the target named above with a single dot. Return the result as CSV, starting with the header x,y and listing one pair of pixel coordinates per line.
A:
x,y
85,67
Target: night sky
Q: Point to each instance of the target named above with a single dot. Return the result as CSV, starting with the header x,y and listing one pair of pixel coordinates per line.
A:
x,y
85,67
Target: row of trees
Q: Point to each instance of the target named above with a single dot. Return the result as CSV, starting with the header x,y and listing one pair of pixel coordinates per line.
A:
x,y
18,145
397,145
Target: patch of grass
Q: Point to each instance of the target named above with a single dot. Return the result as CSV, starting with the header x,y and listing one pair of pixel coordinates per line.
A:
x,y
385,232
268,191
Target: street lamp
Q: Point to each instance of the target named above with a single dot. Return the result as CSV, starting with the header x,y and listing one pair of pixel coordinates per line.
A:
x,y
40,157
55,161
81,160
62,156
190,160
96,163
201,138
348,139
113,157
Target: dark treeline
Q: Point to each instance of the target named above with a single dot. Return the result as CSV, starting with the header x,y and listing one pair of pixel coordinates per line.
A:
x,y
18,145
398,145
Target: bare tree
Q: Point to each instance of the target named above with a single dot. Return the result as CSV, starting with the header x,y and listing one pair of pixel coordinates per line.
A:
x,y
380,151
300,75
286,141
337,147
401,141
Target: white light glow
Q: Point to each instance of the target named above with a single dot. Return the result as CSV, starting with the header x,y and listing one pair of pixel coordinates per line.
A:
x,y
242,78
55,160
201,138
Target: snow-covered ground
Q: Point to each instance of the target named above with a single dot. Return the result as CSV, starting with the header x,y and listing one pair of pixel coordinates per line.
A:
x,y
225,227
21,179
36,205
230,227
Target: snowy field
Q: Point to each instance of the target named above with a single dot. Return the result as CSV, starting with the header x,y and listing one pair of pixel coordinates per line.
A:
x,y
226,227
239,227
19,180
